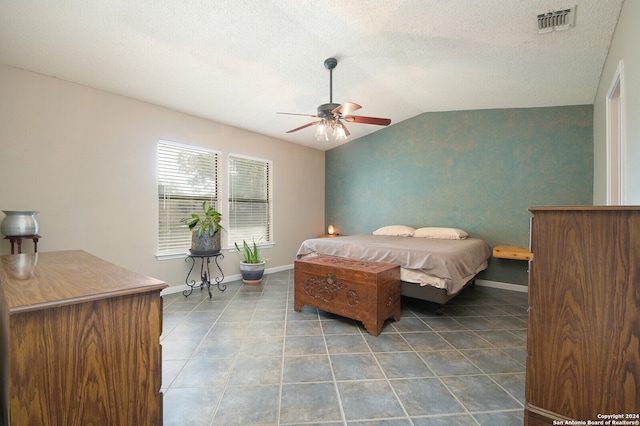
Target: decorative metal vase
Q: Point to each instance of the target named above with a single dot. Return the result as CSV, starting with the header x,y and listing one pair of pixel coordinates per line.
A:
x,y
19,223
205,244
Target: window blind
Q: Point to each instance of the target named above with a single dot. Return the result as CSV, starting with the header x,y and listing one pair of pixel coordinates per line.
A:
x,y
187,176
250,200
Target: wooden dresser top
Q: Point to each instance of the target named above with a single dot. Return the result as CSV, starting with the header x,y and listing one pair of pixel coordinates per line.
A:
x,y
583,208
33,281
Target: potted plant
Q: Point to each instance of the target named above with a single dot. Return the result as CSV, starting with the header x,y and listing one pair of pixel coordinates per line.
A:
x,y
205,236
252,267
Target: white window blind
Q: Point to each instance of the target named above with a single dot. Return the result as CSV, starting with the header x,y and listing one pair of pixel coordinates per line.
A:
x,y
187,176
250,200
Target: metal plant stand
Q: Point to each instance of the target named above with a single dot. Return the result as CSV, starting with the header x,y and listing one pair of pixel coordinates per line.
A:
x,y
206,279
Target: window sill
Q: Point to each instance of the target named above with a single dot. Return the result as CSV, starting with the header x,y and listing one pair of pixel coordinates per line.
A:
x,y
260,247
171,256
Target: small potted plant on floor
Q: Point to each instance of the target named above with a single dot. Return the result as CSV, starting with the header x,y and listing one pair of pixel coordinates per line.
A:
x,y
205,230
252,267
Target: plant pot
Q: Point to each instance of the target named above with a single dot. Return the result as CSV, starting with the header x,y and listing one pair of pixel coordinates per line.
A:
x,y
205,244
252,272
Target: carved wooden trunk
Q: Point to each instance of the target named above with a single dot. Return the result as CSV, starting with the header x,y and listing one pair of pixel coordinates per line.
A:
x,y
361,290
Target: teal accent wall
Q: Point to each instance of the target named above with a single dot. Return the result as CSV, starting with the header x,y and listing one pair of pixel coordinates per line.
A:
x,y
476,170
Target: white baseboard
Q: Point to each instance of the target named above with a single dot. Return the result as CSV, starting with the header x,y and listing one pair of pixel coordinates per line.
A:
x,y
484,283
503,286
180,288
173,289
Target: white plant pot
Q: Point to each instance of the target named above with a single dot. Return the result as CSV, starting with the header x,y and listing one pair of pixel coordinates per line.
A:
x,y
252,272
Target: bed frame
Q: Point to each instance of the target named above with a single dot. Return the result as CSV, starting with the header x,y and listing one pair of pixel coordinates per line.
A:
x,y
396,248
432,294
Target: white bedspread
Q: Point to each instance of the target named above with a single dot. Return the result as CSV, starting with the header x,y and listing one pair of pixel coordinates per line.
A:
x,y
442,263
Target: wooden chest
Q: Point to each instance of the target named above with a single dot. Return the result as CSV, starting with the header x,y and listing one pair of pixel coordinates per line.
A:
x,y
361,290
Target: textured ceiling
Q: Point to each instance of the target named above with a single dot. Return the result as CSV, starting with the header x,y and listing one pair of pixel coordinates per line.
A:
x,y
238,62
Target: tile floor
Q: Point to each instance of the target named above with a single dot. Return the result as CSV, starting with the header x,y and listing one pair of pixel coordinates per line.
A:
x,y
246,357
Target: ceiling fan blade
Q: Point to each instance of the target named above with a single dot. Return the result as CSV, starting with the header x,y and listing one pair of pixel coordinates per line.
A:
x,y
304,127
293,113
367,120
347,133
346,109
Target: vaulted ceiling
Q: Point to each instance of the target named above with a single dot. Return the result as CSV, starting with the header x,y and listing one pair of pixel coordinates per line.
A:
x,y
239,62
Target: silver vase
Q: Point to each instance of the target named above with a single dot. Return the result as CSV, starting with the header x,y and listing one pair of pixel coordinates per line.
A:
x,y
205,244
19,223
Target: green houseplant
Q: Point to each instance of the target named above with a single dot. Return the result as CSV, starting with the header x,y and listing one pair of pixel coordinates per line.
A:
x,y
252,267
205,228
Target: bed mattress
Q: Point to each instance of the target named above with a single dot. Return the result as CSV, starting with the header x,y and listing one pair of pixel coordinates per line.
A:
x,y
447,264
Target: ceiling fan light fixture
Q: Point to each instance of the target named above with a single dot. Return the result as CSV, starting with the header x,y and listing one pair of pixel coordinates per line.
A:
x,y
321,131
339,133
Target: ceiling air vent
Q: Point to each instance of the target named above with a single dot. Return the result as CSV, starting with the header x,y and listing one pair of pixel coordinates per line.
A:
x,y
556,20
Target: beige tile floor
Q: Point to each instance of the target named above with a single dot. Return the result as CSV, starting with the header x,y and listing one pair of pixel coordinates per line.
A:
x,y
245,357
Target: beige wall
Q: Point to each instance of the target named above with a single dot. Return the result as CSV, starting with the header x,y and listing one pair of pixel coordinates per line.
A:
x,y
86,159
623,48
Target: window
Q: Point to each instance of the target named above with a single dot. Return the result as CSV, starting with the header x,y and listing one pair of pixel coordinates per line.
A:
x,y
250,200
187,176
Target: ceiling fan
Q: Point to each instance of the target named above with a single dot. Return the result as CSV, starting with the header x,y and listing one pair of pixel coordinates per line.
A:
x,y
331,116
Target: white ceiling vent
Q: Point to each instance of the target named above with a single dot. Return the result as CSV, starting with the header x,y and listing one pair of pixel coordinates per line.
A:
x,y
556,20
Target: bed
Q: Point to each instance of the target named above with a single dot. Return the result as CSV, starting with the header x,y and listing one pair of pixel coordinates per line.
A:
x,y
431,269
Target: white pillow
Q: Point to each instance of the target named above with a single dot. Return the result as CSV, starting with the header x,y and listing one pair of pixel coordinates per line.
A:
x,y
441,233
395,230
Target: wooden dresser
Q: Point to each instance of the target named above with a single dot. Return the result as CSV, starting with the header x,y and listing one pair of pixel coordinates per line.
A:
x,y
79,342
584,320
